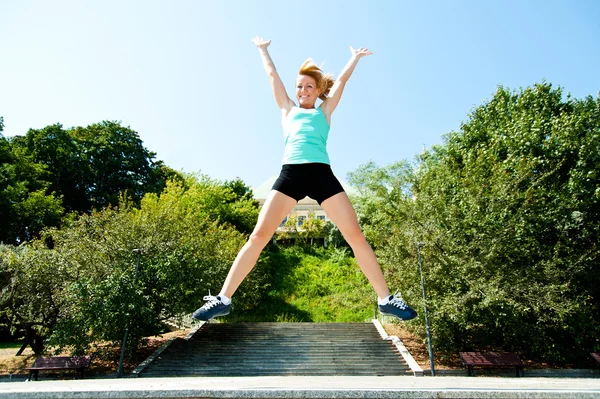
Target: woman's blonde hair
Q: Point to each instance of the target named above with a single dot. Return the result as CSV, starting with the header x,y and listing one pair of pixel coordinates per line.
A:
x,y
324,80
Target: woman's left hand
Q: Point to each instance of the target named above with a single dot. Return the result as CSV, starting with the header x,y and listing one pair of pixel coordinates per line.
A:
x,y
361,52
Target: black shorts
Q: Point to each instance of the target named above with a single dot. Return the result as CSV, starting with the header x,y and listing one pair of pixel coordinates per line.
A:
x,y
315,180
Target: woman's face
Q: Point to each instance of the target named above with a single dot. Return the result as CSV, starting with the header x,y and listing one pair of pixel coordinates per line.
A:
x,y
306,91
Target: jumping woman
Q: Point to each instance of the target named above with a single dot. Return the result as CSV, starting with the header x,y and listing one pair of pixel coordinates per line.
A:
x,y
306,172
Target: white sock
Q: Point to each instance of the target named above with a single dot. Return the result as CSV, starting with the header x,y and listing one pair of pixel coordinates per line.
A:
x,y
385,300
224,299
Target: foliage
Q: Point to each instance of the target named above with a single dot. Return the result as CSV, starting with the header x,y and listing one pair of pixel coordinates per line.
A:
x,y
52,171
508,208
25,205
85,289
333,236
31,296
229,203
383,200
305,233
91,167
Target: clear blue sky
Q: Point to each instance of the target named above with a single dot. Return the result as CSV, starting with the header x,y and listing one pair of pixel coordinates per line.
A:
x,y
186,77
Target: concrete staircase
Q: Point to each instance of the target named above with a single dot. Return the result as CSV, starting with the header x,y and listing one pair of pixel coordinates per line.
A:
x,y
279,349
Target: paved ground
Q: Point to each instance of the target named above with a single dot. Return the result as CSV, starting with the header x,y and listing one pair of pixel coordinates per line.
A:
x,y
307,387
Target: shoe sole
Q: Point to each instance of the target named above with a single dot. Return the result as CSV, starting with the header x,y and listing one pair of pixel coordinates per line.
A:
x,y
393,315
217,315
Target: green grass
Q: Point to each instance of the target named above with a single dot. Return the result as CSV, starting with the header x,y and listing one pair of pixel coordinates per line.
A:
x,y
312,285
10,345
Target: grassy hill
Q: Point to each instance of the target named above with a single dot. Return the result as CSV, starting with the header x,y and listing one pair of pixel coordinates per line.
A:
x,y
310,284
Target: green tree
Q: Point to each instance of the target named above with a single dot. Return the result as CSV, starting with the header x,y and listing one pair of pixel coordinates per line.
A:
x,y
91,167
508,208
303,230
31,294
311,229
333,236
87,287
241,208
119,164
383,201
25,204
64,160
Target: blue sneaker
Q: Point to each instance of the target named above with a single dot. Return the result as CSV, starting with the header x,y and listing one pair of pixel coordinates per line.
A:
x,y
212,308
397,307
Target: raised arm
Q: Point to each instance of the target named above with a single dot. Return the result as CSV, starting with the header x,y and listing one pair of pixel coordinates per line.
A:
x,y
335,94
281,97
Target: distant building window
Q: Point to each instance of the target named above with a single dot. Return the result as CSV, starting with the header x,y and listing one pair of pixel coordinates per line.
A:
x,y
283,223
301,220
321,217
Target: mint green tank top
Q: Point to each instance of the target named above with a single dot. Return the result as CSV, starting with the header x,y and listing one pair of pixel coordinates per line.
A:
x,y
306,132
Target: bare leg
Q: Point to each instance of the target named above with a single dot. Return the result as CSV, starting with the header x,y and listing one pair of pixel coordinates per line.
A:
x,y
275,208
340,211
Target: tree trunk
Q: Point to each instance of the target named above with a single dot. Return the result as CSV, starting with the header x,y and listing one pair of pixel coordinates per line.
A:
x,y
34,340
20,352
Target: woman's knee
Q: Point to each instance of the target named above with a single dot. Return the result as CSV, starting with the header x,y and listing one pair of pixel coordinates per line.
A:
x,y
259,237
354,237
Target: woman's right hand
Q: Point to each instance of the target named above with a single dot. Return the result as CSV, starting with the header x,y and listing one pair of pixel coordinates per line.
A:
x,y
260,42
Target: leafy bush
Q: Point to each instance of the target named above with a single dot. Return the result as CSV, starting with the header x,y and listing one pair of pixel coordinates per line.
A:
x,y
84,289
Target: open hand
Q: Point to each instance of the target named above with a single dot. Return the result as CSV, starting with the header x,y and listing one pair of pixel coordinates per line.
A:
x,y
260,42
361,52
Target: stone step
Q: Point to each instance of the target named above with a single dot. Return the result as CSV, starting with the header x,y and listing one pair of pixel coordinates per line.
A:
x,y
274,372
253,349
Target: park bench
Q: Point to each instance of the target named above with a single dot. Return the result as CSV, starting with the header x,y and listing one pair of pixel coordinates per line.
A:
x,y
491,360
77,363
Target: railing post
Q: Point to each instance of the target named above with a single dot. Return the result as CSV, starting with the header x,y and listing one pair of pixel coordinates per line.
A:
x,y
137,268
419,245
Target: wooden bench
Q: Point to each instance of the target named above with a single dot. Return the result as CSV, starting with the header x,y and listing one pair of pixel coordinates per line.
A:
x,y
77,363
491,360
